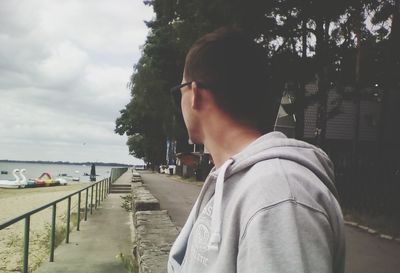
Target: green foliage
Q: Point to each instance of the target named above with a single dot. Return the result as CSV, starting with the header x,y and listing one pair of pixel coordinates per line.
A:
x,y
137,146
127,202
60,230
129,262
302,38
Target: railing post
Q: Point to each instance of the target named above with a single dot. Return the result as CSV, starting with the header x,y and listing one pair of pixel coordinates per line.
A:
x,y
26,244
86,203
53,233
95,203
91,200
68,218
79,211
98,194
102,189
107,187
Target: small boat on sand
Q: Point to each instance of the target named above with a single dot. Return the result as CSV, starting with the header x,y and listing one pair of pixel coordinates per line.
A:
x,y
61,180
13,184
19,182
45,180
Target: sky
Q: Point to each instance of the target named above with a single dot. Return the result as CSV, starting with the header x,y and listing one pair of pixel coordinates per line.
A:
x,y
64,69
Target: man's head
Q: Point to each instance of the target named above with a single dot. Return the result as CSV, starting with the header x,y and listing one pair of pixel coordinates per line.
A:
x,y
234,69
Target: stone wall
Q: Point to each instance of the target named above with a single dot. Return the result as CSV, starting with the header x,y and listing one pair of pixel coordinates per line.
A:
x,y
154,231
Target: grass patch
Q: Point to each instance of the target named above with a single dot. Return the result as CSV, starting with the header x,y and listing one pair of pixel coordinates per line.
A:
x,y
127,202
43,242
384,224
190,180
61,229
40,231
129,262
39,244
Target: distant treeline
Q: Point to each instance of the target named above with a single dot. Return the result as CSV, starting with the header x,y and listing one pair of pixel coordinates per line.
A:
x,y
66,163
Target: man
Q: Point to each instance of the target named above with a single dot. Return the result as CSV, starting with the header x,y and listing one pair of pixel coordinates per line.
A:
x,y
269,205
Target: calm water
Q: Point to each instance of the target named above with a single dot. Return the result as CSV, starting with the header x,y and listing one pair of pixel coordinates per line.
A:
x,y
34,170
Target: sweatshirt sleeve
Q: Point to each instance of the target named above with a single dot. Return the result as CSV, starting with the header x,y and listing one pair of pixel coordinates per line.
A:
x,y
286,238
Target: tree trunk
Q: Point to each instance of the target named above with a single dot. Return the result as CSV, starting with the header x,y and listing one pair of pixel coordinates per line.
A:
x,y
320,132
357,86
300,107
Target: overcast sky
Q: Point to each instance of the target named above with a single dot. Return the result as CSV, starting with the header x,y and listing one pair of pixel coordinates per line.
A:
x,y
64,68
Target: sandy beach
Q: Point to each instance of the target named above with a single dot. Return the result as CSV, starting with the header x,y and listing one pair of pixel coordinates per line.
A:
x,y
14,202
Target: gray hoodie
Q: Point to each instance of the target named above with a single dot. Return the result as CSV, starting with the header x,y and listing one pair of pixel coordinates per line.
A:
x,y
270,208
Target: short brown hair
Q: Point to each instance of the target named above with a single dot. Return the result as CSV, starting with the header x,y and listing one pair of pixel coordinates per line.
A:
x,y
234,68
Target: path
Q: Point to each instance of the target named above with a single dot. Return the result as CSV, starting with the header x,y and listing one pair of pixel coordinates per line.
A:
x,y
370,254
94,249
365,253
176,197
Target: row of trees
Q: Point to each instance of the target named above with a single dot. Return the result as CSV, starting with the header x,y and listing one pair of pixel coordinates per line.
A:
x,y
344,42
338,43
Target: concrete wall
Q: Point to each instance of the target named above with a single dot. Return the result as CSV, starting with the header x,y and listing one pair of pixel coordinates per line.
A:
x,y
154,231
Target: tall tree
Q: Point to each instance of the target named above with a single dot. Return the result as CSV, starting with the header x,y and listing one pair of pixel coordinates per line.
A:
x,y
288,29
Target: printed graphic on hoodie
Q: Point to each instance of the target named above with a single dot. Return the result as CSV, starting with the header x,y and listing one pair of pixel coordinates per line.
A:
x,y
200,255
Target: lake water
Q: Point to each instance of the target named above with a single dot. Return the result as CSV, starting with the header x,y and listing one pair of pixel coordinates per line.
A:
x,y
34,170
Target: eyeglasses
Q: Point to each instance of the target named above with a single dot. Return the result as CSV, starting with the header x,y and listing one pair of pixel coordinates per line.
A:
x,y
179,86
176,94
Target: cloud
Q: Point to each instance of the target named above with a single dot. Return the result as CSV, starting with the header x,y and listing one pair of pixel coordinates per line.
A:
x,y
64,67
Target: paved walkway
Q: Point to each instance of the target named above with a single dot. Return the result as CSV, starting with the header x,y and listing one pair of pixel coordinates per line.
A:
x,y
365,253
176,197
94,249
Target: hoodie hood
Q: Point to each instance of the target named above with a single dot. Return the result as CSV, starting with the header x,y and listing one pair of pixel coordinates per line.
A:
x,y
274,145
277,145
270,146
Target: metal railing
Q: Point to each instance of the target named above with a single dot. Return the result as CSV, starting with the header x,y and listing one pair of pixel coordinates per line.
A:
x,y
101,188
116,173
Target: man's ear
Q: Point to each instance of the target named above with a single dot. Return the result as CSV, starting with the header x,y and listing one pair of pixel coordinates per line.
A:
x,y
197,99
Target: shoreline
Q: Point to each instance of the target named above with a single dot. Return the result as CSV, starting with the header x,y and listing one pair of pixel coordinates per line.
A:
x,y
106,164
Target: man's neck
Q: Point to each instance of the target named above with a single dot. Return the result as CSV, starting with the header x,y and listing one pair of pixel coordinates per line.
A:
x,y
224,140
